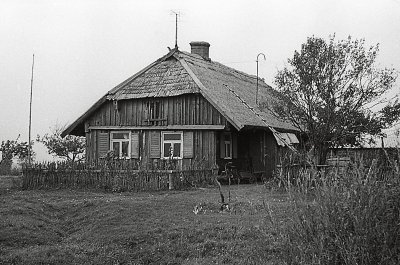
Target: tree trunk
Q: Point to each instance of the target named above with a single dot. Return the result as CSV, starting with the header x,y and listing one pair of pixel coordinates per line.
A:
x,y
322,154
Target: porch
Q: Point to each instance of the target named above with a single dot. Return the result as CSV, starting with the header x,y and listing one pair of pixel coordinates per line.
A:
x,y
249,152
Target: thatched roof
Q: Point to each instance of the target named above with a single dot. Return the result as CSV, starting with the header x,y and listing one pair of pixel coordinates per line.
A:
x,y
165,79
234,92
230,91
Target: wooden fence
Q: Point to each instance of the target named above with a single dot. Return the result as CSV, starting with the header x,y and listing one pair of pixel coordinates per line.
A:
x,y
56,176
337,169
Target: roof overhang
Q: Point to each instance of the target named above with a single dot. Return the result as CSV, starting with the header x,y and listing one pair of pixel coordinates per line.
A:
x,y
78,126
166,127
286,139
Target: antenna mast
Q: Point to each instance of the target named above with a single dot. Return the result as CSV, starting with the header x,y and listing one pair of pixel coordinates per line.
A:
x,y
176,27
30,116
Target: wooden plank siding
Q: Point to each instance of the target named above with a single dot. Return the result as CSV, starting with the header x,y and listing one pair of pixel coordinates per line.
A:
x,y
253,151
189,109
252,148
204,148
181,110
270,154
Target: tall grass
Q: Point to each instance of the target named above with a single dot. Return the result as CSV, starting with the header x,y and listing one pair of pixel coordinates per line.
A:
x,y
344,217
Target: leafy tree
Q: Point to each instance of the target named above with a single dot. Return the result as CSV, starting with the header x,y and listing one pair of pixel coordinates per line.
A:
x,y
12,149
70,148
391,113
330,88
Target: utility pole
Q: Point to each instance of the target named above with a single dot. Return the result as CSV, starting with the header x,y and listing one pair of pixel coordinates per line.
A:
x,y
257,76
30,116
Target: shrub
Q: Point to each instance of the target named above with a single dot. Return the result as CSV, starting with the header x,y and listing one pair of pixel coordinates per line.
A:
x,y
347,218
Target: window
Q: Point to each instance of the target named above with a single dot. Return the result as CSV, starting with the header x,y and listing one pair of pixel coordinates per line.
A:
x,y
154,110
121,144
227,145
171,145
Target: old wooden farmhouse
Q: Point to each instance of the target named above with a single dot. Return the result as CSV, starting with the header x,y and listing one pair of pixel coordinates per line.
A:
x,y
186,107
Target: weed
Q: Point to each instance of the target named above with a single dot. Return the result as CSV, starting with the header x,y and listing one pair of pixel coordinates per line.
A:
x,y
347,218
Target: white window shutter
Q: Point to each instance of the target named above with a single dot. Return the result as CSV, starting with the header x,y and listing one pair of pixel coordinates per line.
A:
x,y
187,144
155,144
135,145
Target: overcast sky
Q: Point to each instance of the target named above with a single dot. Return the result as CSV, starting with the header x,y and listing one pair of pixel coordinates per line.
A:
x,y
84,48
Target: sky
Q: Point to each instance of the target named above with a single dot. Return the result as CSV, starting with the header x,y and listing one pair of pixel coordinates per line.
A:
x,y
84,48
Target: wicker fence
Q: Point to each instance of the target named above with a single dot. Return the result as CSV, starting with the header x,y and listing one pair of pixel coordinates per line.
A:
x,y
60,176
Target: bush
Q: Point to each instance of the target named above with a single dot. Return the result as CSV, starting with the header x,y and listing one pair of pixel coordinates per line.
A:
x,y
351,218
5,167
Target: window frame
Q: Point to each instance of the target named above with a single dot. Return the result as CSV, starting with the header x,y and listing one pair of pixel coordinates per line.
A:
x,y
154,110
230,142
163,133
120,141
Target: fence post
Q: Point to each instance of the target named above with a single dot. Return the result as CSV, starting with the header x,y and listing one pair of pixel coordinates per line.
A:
x,y
170,181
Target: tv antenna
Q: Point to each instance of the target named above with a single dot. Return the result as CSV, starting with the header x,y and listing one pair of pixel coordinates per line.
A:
x,y
177,14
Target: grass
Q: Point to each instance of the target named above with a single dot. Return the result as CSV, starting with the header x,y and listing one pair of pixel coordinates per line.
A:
x,y
347,218
9,182
77,227
353,218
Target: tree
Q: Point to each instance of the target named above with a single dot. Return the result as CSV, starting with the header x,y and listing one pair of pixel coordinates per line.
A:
x,y
391,113
70,148
330,88
12,149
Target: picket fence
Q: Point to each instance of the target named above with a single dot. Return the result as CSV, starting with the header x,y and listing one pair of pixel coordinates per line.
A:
x,y
56,176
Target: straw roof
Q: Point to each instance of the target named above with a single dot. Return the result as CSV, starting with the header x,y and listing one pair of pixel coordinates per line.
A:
x,y
166,79
230,91
234,92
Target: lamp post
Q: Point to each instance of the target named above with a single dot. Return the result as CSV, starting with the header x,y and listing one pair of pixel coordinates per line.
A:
x,y
257,75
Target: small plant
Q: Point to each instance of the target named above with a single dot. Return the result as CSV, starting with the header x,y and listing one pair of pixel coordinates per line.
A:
x,y
197,209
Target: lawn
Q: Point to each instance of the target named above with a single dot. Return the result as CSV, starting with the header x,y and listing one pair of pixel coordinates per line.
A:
x,y
91,227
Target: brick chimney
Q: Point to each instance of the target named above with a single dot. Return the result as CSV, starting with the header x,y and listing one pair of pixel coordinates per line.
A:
x,y
200,48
